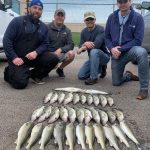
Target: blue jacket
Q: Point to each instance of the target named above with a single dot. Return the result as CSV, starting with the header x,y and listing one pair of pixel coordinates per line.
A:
x,y
133,31
13,30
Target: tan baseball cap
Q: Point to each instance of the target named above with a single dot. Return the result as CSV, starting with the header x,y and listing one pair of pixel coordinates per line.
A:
x,y
89,14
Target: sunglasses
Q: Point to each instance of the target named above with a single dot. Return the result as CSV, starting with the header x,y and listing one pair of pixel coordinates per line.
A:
x,y
89,19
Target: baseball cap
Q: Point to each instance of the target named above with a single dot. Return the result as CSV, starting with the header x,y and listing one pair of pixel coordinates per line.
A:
x,y
89,15
36,2
122,1
60,10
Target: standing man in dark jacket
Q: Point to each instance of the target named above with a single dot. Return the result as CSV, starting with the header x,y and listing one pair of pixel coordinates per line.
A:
x,y
124,35
25,44
92,41
60,39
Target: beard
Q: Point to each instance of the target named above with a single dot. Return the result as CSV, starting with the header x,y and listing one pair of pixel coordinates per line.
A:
x,y
35,17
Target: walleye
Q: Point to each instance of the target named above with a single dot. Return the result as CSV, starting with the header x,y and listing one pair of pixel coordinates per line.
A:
x,y
23,134
69,89
80,114
54,115
72,114
118,132
61,97
59,135
46,114
83,99
87,116
110,101
95,114
68,98
76,98
46,135
103,100
119,114
95,92
37,113
48,97
80,133
111,136
99,134
89,134
103,116
96,100
111,116
35,135
54,98
70,135
64,114
89,99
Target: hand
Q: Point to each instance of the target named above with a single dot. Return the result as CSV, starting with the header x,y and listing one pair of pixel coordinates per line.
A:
x,y
32,55
58,51
18,61
89,45
82,49
115,52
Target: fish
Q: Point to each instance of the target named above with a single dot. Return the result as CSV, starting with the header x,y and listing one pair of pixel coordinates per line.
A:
x,y
35,135
83,99
90,91
80,114
95,114
89,134
99,134
80,133
48,97
96,100
118,132
54,115
111,116
46,114
89,99
119,114
61,97
72,114
68,98
76,98
109,133
103,100
63,113
87,116
23,134
54,98
37,113
128,132
103,116
69,89
46,135
59,135
70,135
110,101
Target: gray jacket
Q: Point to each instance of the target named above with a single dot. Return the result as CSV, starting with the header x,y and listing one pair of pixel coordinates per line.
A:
x,y
60,38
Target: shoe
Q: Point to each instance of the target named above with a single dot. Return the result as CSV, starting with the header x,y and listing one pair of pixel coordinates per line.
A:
x,y
60,73
90,81
103,74
133,77
37,81
142,94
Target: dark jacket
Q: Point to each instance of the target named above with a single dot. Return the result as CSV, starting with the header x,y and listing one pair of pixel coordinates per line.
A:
x,y
96,36
14,30
133,31
60,38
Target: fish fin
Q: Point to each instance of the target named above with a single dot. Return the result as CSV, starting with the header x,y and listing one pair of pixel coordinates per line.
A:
x,y
16,141
67,142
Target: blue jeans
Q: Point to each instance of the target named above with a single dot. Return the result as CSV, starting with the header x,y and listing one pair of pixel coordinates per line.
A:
x,y
92,67
138,54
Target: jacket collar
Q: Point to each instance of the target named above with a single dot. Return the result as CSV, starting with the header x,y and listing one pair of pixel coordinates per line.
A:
x,y
52,25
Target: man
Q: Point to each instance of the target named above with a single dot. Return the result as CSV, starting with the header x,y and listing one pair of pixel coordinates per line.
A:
x,y
60,39
124,34
92,41
25,44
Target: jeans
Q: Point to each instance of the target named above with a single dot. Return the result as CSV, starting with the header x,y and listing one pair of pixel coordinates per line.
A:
x,y
92,67
138,54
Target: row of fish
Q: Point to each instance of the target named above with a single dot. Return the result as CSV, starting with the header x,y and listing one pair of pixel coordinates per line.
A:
x,y
85,135
68,97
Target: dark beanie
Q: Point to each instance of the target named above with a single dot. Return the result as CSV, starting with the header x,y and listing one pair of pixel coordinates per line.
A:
x,y
36,2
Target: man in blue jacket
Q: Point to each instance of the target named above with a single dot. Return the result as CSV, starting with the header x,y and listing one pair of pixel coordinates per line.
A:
x,y
25,45
92,41
124,34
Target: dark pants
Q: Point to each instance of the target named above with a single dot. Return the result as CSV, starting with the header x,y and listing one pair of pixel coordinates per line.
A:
x,y
18,76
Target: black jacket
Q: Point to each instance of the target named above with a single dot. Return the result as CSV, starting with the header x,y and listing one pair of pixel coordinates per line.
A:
x,y
60,38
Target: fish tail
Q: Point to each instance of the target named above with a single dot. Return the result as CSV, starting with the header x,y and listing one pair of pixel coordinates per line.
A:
x,y
17,147
28,147
41,147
